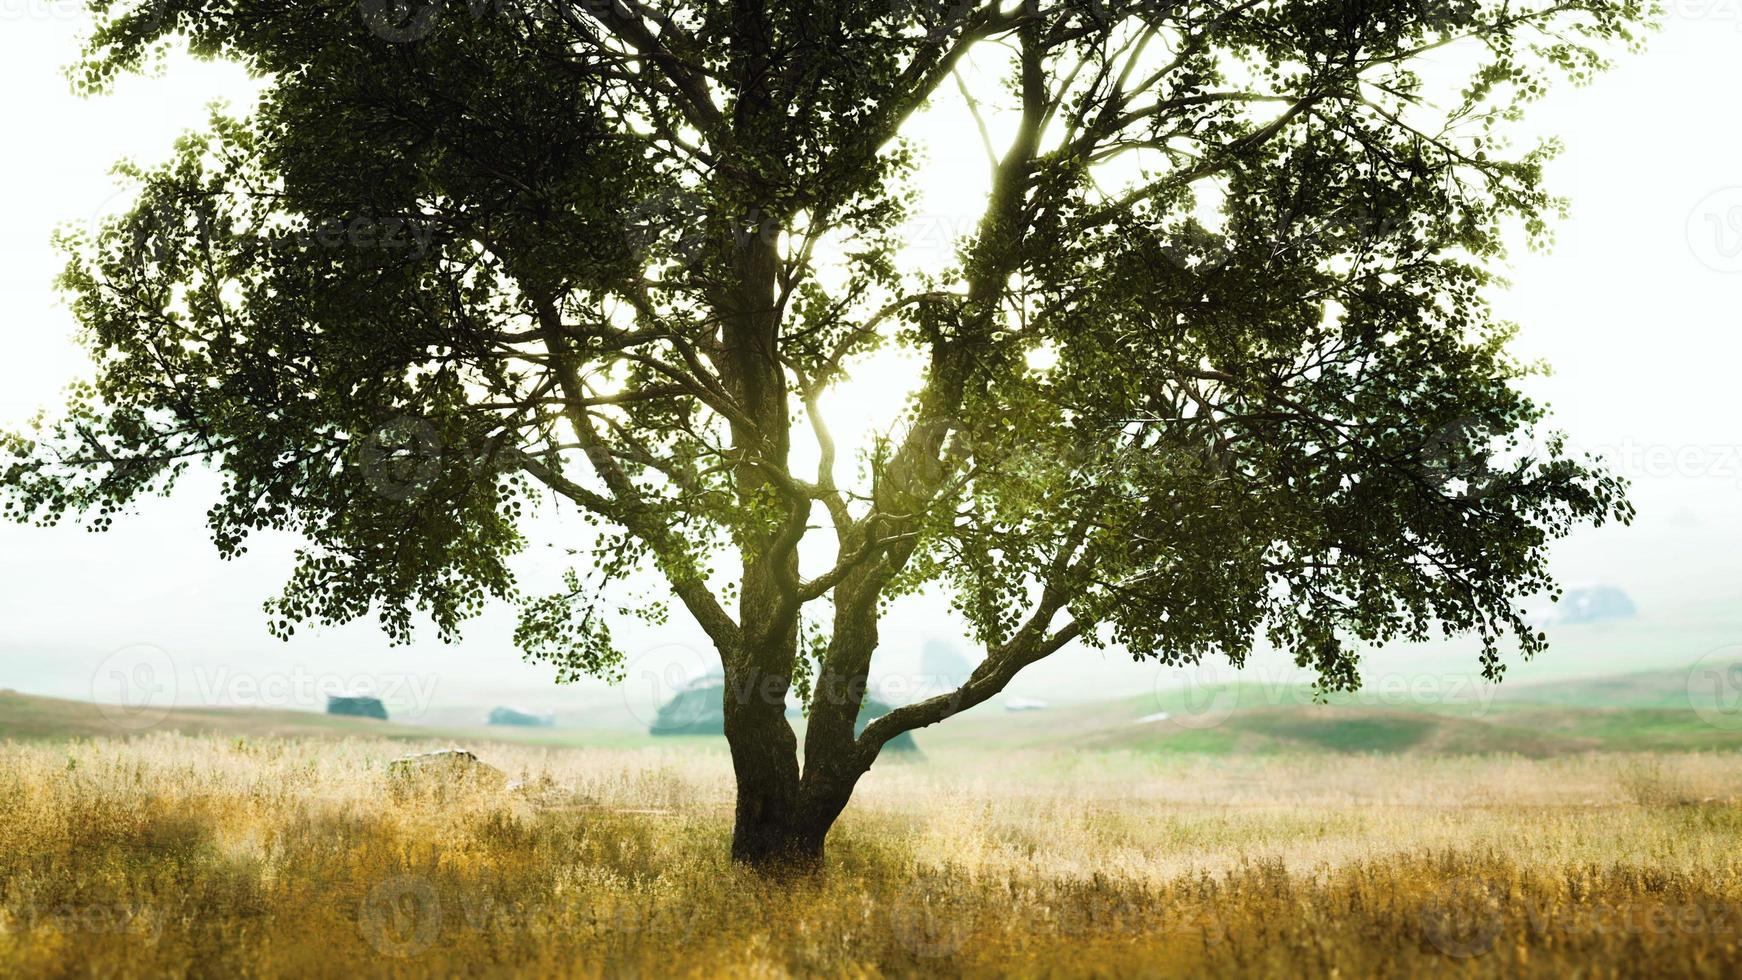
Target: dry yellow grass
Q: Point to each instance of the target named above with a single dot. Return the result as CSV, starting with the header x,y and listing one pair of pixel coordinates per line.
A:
x,y
214,857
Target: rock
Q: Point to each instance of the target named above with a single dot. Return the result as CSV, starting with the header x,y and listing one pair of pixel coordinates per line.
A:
x,y
1596,604
356,707
450,765
944,668
696,709
699,709
545,793
520,719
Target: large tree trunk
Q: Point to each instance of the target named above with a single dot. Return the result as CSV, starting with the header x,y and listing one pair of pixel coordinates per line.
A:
x,y
769,830
780,829
782,819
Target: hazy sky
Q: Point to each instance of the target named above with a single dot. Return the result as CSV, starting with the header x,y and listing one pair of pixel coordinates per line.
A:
x,y
1637,308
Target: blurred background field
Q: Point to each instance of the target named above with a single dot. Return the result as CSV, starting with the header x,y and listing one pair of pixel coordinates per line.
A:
x,y
1692,706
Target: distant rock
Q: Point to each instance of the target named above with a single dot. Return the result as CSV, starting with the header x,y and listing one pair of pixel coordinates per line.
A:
x,y
1596,604
699,709
356,706
448,765
872,709
520,719
942,666
696,709
1025,704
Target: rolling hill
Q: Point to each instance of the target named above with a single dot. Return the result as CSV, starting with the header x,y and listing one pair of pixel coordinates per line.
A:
x,y
1643,711
26,717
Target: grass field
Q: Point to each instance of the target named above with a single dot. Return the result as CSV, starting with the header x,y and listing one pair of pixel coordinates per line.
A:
x,y
1583,828
224,855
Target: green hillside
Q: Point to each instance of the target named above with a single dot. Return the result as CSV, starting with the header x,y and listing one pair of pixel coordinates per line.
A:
x,y
24,716
1638,712
27,717
1666,689
1643,711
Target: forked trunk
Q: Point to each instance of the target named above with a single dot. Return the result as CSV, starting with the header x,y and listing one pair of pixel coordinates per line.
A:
x,y
781,820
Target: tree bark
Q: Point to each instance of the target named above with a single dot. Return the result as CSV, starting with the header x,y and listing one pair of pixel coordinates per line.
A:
x,y
782,818
766,829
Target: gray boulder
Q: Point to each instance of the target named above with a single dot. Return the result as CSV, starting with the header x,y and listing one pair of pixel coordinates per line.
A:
x,y
356,706
1593,605
448,766
520,719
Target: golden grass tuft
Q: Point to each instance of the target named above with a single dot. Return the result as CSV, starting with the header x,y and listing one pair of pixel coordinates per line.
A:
x,y
171,855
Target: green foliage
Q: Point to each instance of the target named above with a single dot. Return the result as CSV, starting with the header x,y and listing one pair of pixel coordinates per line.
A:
x,y
617,253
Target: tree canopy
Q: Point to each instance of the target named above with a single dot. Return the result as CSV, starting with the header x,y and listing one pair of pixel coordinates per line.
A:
x,y
1215,366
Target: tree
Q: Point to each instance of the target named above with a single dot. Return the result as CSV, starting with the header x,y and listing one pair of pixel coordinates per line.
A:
x,y
1214,366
